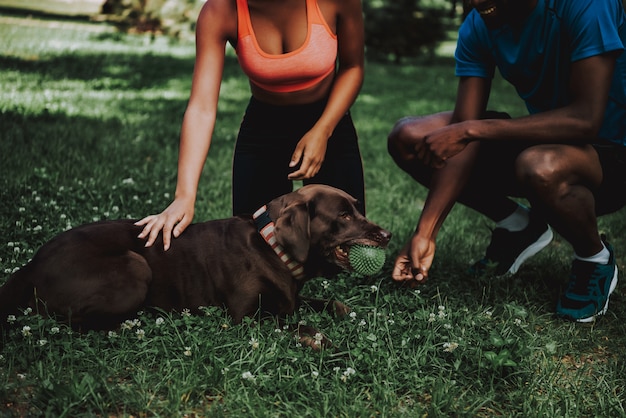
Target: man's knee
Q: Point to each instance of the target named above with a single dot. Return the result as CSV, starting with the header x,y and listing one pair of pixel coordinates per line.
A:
x,y
539,169
398,140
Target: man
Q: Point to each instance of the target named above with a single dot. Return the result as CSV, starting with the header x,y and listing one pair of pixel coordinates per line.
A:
x,y
567,157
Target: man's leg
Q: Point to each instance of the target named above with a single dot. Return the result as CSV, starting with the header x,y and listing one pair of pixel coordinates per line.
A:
x,y
559,180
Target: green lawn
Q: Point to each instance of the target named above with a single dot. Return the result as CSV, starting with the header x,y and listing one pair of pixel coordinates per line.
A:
x,y
89,123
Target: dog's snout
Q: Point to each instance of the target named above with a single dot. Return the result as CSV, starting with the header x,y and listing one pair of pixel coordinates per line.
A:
x,y
383,236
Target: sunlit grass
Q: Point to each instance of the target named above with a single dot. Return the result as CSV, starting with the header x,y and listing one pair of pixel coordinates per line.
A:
x,y
89,121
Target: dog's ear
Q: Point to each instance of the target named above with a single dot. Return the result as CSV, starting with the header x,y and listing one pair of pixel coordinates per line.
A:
x,y
292,230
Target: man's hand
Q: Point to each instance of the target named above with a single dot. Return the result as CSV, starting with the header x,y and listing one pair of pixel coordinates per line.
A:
x,y
441,144
414,260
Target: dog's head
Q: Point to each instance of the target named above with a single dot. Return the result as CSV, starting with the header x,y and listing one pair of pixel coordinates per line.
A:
x,y
317,225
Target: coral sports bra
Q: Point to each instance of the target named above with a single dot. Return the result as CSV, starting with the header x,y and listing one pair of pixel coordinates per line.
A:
x,y
292,71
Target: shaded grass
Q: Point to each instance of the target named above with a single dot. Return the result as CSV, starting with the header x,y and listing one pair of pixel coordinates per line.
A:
x,y
89,122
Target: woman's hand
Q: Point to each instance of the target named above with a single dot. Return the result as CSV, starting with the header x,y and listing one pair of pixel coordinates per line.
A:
x,y
310,153
172,221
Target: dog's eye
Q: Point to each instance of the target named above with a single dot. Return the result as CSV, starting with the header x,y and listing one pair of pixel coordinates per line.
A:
x,y
345,215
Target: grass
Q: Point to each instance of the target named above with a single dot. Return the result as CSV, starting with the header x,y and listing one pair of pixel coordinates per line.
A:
x,y
89,121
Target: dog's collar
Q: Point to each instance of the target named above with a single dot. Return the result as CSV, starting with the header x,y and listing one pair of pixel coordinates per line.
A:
x,y
266,228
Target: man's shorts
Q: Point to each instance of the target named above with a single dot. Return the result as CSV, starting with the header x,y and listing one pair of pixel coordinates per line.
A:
x,y
611,196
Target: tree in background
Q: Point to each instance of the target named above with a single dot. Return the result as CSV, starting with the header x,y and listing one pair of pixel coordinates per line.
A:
x,y
175,18
397,29
394,29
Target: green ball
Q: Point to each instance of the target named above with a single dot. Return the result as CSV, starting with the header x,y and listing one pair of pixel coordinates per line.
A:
x,y
366,260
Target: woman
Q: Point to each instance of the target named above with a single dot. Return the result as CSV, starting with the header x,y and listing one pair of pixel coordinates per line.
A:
x,y
304,59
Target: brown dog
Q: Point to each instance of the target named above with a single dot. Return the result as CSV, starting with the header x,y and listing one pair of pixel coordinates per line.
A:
x,y
97,275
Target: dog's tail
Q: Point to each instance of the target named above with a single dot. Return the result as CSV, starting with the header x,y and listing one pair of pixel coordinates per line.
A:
x,y
14,294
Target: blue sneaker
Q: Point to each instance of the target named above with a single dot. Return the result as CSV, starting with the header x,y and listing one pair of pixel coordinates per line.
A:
x,y
508,250
588,291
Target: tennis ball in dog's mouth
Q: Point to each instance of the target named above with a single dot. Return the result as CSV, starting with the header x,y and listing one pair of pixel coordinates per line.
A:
x,y
366,260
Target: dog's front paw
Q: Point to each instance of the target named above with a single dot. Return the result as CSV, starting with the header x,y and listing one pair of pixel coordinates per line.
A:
x,y
310,337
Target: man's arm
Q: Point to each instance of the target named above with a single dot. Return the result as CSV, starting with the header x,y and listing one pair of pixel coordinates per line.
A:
x,y
447,182
578,122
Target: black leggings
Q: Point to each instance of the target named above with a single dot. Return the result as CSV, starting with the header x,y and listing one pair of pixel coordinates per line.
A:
x,y
267,138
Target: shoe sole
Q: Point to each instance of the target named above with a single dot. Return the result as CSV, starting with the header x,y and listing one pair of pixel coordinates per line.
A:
x,y
531,250
606,305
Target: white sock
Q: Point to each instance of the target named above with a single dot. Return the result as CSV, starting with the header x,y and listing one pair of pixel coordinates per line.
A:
x,y
516,221
601,258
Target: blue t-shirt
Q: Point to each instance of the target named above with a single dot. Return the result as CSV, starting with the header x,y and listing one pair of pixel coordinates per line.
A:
x,y
536,59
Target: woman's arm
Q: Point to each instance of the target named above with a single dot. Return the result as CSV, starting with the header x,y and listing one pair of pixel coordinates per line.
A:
x,y
348,81
216,23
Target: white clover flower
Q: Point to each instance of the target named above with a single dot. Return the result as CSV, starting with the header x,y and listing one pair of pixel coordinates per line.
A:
x,y
140,333
42,342
302,322
159,321
115,209
352,315
325,284
21,209
254,343
362,323
224,326
432,317
391,322
447,326
225,370
186,312
21,376
518,322
128,180
347,373
26,331
247,376
112,334
314,374
336,369
373,288
489,313
450,347
187,351
37,228
11,319
318,337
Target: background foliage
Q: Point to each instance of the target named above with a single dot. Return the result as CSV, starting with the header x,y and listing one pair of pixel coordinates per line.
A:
x,y
394,29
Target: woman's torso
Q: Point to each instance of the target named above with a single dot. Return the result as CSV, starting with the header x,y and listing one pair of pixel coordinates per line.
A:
x,y
288,49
